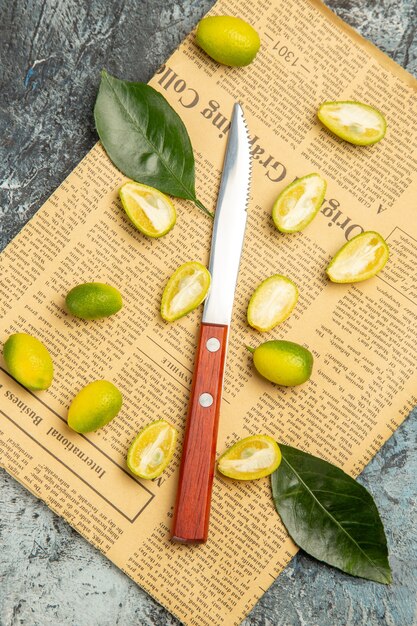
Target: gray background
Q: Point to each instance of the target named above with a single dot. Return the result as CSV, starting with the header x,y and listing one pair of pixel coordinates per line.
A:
x,y
51,55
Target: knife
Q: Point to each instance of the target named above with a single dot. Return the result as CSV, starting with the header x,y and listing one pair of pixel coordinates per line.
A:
x,y
192,508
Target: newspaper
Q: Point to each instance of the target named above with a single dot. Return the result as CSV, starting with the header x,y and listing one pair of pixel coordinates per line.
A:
x,y
362,336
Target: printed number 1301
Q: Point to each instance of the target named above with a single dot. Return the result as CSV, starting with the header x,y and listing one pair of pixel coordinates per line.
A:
x,y
285,53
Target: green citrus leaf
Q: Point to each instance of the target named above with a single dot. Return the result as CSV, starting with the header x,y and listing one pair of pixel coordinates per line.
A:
x,y
145,138
330,516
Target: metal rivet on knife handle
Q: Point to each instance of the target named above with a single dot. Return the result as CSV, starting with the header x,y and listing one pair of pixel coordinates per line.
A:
x,y
213,344
206,400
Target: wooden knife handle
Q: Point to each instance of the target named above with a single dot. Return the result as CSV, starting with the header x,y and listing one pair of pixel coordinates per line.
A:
x,y
192,509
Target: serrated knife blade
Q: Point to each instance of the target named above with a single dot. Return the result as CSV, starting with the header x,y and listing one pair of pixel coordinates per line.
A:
x,y
229,223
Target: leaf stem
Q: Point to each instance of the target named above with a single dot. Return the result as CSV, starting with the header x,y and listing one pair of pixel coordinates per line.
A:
x,y
203,208
252,350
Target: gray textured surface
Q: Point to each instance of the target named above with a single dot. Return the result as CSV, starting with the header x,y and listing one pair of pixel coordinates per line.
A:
x,y
51,53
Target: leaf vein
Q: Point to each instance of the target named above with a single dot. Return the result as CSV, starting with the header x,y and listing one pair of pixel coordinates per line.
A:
x,y
345,495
